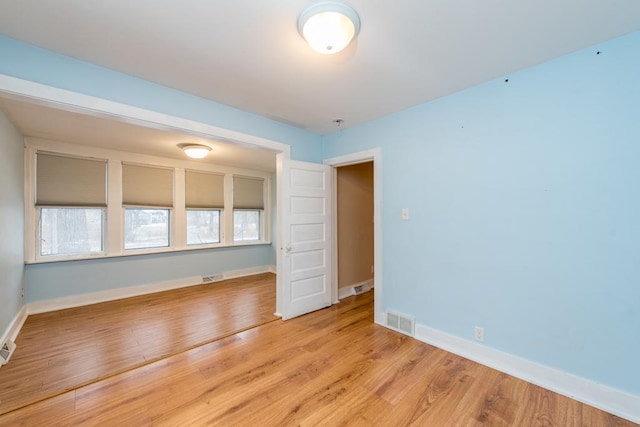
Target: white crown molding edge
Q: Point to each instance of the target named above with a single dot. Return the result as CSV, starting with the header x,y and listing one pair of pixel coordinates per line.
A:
x,y
68,100
606,398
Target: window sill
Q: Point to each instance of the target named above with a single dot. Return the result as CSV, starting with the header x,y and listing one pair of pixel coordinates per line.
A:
x,y
142,252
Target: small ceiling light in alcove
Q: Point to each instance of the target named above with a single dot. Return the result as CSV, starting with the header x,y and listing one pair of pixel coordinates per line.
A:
x,y
196,151
329,26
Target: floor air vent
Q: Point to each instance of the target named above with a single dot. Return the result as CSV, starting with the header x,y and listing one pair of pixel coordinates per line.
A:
x,y
6,351
401,323
360,289
211,279
348,291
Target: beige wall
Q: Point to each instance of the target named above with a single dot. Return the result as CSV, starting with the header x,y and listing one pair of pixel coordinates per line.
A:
x,y
355,224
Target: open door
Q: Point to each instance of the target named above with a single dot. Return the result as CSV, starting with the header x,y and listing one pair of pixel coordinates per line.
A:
x,y
305,239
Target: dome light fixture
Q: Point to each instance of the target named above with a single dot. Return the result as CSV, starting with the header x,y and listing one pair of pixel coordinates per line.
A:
x,y
196,151
329,26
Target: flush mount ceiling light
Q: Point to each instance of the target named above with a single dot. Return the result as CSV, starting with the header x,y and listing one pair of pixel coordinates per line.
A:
x,y
196,151
329,26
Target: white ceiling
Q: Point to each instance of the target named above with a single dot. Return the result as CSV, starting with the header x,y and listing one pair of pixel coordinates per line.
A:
x,y
44,122
248,54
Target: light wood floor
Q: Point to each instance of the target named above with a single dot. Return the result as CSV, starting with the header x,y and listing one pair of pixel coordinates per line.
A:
x,y
332,367
65,349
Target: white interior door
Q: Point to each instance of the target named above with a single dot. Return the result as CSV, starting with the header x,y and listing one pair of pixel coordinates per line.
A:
x,y
305,238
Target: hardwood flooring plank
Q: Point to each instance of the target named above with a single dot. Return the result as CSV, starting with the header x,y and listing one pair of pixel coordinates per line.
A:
x,y
494,399
333,367
432,401
545,408
403,372
84,344
360,407
53,412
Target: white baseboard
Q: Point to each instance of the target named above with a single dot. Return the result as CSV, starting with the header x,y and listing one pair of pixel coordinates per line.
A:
x,y
11,333
608,399
234,274
347,291
132,291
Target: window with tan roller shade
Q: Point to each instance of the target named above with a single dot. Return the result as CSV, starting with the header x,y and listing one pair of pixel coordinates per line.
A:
x,y
204,190
147,186
248,193
70,181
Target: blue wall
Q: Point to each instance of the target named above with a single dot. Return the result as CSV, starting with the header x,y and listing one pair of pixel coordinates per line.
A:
x,y
524,199
61,279
11,223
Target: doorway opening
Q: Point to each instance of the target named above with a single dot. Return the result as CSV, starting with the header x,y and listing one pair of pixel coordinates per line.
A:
x,y
355,229
373,157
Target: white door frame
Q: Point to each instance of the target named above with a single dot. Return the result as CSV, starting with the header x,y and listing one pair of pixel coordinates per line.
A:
x,y
49,96
374,155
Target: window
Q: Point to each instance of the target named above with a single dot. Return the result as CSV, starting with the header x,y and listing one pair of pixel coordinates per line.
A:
x,y
248,204
246,226
203,227
147,197
86,203
71,199
71,231
204,198
146,228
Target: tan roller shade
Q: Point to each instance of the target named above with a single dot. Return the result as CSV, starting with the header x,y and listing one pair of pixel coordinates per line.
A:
x,y
248,193
147,186
70,181
204,190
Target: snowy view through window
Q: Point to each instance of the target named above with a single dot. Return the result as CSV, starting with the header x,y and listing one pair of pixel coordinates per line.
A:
x,y
146,228
70,231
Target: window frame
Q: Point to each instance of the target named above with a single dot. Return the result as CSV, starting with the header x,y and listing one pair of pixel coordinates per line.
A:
x,y
261,206
58,257
220,228
148,248
260,225
113,214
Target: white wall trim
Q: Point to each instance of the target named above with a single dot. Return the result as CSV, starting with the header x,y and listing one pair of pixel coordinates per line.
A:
x,y
67,100
133,291
250,271
12,331
608,399
361,157
347,291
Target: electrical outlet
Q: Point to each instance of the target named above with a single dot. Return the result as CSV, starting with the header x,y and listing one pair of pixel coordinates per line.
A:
x,y
478,333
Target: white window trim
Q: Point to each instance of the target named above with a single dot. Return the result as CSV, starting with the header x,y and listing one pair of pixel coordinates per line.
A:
x,y
114,227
